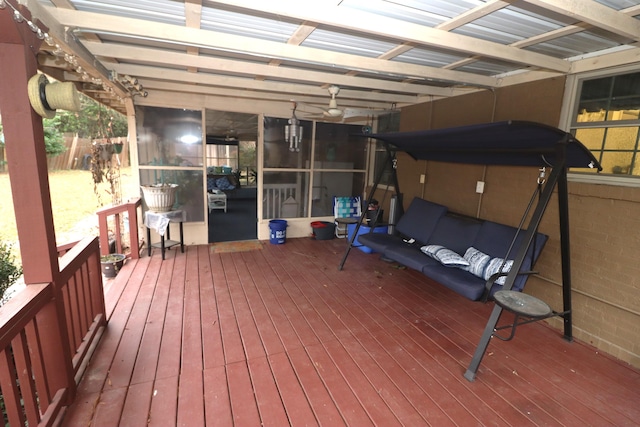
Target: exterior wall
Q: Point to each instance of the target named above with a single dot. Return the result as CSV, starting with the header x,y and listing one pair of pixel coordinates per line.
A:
x,y
604,225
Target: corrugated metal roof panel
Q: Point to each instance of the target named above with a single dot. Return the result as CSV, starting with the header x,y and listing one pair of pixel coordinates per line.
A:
x,y
346,43
431,58
235,23
487,68
428,13
165,11
573,45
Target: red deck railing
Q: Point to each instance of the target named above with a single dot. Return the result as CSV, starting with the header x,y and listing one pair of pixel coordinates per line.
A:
x,y
46,333
131,209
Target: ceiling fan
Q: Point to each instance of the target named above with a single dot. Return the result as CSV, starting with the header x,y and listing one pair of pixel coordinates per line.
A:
x,y
332,111
335,112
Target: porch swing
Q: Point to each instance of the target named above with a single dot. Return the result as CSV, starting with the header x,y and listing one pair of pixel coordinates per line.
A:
x,y
509,143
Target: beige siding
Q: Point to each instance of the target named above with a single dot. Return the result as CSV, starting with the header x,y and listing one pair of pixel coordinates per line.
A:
x,y
604,219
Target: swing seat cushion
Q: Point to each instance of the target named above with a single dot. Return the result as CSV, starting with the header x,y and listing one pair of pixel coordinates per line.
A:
x,y
430,224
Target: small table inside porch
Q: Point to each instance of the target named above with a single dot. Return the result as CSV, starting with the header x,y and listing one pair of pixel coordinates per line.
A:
x,y
160,222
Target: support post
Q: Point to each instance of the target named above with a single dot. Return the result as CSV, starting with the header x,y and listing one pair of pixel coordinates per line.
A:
x,y
27,157
532,229
563,212
388,158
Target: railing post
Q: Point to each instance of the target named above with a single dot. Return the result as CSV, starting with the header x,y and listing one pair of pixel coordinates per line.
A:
x,y
131,208
54,339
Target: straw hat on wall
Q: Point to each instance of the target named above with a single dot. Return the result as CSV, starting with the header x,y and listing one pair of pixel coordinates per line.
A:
x,y
47,97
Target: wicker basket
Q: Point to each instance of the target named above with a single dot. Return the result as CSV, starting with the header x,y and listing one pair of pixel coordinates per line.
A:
x,y
159,198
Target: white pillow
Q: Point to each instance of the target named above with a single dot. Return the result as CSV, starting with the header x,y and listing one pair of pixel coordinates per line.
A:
x,y
431,250
494,267
445,256
477,262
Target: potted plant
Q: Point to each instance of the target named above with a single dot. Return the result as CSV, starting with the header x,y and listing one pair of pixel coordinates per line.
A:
x,y
111,264
159,197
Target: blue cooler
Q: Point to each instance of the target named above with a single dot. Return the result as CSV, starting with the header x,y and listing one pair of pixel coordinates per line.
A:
x,y
364,229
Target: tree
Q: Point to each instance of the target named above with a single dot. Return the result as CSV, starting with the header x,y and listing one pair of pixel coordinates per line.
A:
x,y
9,271
94,120
53,140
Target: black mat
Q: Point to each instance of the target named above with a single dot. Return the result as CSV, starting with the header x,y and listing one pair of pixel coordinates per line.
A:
x,y
240,222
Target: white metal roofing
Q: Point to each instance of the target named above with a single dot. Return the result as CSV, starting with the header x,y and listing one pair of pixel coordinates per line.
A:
x,y
380,52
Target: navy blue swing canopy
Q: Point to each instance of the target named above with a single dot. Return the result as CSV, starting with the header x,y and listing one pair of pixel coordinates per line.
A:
x,y
512,143
508,143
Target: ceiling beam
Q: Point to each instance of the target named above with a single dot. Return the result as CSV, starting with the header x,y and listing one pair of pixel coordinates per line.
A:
x,y
369,23
156,86
234,83
250,69
137,28
69,43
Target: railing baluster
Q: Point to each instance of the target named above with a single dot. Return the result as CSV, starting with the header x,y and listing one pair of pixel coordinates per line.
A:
x,y
25,377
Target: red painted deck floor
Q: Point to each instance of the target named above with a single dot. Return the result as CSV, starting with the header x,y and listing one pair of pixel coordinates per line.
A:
x,y
279,336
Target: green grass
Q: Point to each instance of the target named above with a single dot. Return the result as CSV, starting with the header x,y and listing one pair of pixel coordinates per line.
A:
x,y
73,202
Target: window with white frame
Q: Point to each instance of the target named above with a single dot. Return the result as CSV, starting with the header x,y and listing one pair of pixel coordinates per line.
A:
x,y
606,119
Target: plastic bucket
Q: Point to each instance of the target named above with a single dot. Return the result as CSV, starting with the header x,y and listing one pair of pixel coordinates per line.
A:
x,y
323,230
277,231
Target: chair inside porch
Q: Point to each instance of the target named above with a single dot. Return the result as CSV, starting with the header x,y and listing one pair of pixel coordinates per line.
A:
x,y
279,336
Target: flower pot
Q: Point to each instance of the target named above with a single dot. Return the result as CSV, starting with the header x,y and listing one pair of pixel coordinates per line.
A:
x,y
111,264
159,197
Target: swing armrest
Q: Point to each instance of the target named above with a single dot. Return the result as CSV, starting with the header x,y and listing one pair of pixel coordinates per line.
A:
x,y
496,276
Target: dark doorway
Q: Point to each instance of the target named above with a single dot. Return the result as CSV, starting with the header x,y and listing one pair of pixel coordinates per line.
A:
x,y
231,176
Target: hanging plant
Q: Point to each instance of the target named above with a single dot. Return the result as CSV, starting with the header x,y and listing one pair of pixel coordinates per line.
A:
x,y
103,168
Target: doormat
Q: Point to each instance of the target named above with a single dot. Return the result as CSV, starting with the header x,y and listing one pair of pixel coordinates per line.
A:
x,y
240,246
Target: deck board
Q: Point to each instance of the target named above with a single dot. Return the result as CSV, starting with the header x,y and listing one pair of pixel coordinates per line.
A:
x,y
279,336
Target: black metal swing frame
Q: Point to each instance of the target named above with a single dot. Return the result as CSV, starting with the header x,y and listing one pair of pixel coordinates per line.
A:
x,y
505,143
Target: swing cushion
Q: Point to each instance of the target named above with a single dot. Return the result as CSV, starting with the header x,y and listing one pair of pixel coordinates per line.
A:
x,y
429,224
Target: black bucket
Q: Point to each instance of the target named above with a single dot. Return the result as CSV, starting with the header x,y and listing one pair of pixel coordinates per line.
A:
x,y
323,230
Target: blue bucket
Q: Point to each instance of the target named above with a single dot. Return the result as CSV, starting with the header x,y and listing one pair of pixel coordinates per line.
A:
x,y
277,231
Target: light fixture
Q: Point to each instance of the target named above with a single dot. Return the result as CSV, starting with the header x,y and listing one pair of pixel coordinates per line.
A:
x,y
293,131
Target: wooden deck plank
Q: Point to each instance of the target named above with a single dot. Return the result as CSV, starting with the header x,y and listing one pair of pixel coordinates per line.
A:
x,y
170,348
324,408
372,344
109,408
216,397
147,358
125,357
212,350
164,402
346,401
231,339
136,405
267,330
191,387
268,395
251,341
191,399
243,403
259,269
96,375
297,408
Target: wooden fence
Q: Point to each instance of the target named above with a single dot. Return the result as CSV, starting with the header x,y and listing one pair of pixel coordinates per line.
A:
x,y
77,154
